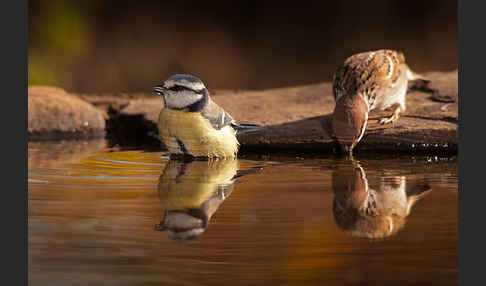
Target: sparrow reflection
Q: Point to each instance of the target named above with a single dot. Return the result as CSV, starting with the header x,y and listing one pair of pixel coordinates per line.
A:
x,y
190,192
375,207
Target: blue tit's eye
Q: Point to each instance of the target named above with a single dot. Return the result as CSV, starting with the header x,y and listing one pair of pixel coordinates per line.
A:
x,y
178,88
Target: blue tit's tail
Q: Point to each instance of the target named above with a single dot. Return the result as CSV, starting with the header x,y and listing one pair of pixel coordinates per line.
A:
x,y
241,173
245,127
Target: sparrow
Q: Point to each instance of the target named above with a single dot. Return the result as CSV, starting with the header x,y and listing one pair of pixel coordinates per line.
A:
x,y
191,191
192,124
375,80
375,207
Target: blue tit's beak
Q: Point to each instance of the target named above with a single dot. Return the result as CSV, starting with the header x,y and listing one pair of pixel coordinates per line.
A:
x,y
159,90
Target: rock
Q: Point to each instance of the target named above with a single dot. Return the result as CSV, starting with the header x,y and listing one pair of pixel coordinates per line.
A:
x,y
149,108
55,114
298,118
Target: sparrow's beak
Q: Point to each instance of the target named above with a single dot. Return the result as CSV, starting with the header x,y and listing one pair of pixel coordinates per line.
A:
x,y
159,90
349,155
347,148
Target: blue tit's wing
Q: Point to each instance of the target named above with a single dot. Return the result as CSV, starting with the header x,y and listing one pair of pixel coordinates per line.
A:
x,y
223,191
216,115
220,118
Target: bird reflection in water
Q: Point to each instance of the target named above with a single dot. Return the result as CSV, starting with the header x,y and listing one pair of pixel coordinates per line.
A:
x,y
191,191
375,207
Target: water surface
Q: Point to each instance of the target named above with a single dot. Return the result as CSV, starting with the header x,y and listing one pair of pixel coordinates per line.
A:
x,y
102,216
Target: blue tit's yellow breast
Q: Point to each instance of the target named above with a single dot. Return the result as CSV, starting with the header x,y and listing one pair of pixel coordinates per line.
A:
x,y
197,134
197,184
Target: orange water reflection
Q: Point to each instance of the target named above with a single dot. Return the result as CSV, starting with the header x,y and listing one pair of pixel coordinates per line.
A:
x,y
91,222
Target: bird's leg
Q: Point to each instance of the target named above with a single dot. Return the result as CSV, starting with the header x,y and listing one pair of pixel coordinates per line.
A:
x,y
397,109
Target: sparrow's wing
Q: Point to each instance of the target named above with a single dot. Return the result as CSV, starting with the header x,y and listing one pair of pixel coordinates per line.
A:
x,y
365,72
216,115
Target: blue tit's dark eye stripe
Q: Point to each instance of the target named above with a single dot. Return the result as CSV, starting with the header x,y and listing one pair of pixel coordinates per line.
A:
x,y
178,88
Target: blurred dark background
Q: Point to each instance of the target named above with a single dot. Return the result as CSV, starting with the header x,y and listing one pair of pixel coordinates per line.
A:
x,y
123,46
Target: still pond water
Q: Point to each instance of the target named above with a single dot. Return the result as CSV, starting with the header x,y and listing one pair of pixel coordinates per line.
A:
x,y
103,216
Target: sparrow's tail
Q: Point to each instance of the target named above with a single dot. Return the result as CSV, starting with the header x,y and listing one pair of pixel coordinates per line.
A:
x,y
418,82
415,76
415,193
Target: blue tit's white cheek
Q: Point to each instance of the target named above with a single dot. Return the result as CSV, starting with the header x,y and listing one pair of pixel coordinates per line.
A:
x,y
164,100
181,99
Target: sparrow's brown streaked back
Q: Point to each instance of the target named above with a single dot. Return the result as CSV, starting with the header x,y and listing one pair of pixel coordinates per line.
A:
x,y
367,81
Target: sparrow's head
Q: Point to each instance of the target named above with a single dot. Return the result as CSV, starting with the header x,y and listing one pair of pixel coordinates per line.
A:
x,y
357,208
183,91
350,187
349,121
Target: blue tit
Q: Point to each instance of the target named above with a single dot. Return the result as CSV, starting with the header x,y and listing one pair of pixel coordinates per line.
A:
x,y
191,123
190,192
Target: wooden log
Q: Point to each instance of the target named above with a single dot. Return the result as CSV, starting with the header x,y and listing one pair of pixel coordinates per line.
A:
x,y
298,118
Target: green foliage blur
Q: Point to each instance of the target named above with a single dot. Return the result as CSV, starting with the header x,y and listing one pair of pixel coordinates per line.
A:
x,y
56,37
129,46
